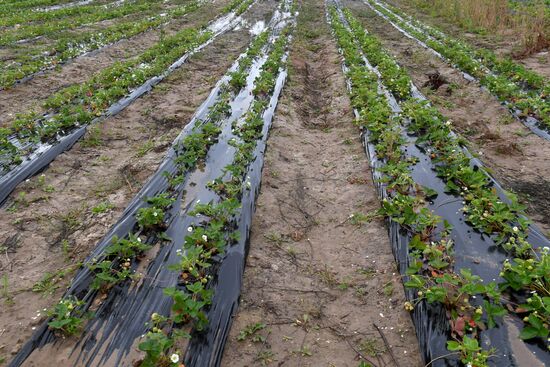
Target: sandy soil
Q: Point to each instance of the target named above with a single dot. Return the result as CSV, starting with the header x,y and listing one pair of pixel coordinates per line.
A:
x,y
516,157
316,280
48,225
29,95
502,43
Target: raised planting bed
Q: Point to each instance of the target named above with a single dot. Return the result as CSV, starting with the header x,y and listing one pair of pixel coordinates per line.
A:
x,y
65,48
32,142
174,260
23,27
475,269
525,93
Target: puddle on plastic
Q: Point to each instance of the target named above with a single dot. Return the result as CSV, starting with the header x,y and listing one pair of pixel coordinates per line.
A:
x,y
257,28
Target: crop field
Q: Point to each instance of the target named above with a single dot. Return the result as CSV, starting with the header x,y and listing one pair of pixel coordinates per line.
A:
x,y
200,183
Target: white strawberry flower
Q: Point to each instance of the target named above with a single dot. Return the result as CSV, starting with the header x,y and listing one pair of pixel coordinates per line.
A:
x,y
175,358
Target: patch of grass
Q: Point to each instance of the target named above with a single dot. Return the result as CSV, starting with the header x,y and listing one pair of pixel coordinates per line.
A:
x,y
145,148
345,284
66,248
5,291
305,351
361,292
358,219
20,201
367,272
93,138
505,120
71,220
388,289
276,238
452,87
371,347
522,133
162,87
265,357
50,281
327,276
443,102
102,207
251,331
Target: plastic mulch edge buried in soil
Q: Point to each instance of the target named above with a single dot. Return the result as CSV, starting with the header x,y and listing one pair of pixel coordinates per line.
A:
x,y
111,329
46,153
471,250
531,122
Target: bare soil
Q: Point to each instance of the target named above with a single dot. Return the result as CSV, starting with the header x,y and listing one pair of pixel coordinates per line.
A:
x,y
30,95
502,43
48,225
514,155
318,278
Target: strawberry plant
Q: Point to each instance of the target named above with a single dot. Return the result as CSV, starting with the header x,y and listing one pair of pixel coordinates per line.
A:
x,y
106,275
470,351
78,105
70,46
126,247
430,268
206,241
512,83
66,318
149,218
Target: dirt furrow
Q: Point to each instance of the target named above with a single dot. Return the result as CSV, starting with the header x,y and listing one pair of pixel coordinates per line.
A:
x,y
29,95
52,221
320,270
516,157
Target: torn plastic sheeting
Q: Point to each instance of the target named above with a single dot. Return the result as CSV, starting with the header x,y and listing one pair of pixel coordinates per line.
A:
x,y
430,320
110,330
529,121
46,153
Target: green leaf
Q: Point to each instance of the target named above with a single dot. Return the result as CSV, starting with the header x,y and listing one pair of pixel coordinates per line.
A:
x,y
529,332
415,282
438,263
471,344
430,193
453,345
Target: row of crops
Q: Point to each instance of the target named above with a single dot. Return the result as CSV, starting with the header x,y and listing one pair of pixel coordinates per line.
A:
x,y
33,140
433,193
59,41
194,254
174,260
65,46
524,92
